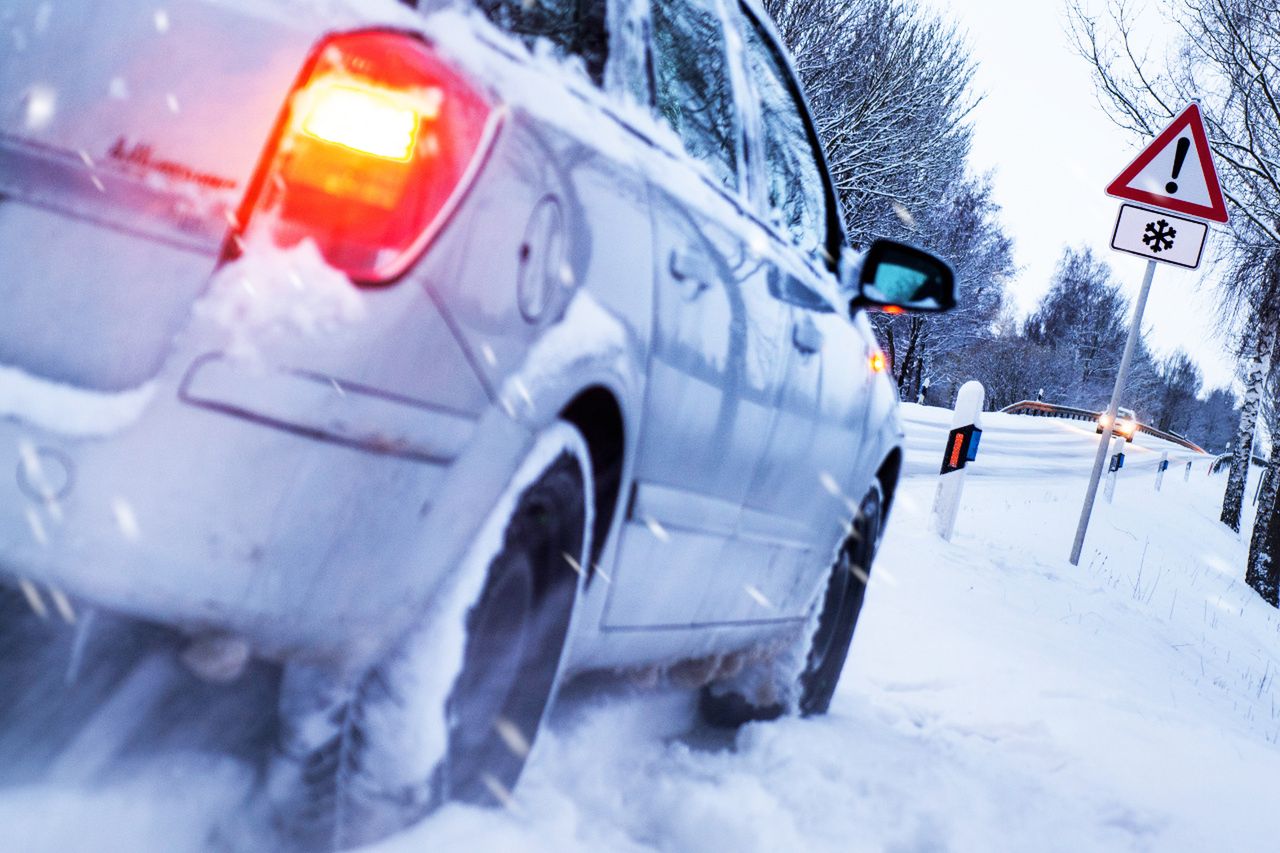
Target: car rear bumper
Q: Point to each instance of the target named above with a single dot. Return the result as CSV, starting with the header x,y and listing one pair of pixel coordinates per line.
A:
x,y
275,498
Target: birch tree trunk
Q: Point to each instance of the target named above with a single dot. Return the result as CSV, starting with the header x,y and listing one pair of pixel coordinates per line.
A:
x,y
1263,571
1242,452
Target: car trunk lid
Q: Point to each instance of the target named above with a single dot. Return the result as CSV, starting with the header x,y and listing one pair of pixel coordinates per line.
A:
x,y
128,134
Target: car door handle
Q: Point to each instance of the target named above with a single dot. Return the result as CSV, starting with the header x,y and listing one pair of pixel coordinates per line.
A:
x,y
692,272
806,337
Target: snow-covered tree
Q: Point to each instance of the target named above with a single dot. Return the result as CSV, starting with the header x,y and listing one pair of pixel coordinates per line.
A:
x,y
1011,368
1083,317
1250,298
1229,62
1179,385
1263,570
1213,426
889,86
963,228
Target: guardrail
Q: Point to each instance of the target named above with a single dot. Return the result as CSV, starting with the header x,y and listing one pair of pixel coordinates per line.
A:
x,y
1223,460
1049,410
1036,408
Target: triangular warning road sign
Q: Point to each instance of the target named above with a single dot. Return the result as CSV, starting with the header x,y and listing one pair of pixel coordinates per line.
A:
x,y
1175,172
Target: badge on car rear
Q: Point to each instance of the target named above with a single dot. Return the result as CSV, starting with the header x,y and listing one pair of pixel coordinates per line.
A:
x,y
140,156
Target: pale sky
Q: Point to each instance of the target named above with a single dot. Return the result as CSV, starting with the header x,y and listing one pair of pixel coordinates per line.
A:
x,y
1053,151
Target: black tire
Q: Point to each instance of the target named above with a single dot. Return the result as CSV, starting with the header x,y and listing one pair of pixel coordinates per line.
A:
x,y
337,796
516,634
841,607
828,647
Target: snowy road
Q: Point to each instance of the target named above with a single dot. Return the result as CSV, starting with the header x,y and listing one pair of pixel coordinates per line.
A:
x,y
996,698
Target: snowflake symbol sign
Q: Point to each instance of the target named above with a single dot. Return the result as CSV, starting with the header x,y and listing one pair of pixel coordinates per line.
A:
x,y
1159,236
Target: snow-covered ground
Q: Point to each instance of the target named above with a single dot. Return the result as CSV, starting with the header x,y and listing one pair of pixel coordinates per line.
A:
x,y
996,698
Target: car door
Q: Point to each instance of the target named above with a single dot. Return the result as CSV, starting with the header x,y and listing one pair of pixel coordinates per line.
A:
x,y
812,465
716,364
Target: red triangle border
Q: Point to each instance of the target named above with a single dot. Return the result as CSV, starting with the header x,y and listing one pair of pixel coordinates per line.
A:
x,y
1216,211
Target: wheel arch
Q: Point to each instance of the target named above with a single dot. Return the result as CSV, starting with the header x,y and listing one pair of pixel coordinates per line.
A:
x,y
597,415
888,472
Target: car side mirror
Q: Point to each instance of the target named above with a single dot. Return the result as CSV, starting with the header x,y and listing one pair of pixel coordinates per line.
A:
x,y
894,277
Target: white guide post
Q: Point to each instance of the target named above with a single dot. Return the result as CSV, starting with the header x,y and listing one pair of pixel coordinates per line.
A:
x,y
961,445
1186,475
1164,463
1115,459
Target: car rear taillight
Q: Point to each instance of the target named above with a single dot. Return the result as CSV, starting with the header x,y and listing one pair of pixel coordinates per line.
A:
x,y
377,143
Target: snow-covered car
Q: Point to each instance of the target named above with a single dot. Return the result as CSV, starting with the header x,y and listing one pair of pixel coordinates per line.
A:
x,y
437,355
1126,423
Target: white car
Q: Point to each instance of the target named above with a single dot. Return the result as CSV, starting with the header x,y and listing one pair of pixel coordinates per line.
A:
x,y
437,355
1126,423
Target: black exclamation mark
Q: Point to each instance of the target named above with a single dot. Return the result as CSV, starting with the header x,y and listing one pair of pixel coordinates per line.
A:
x,y
1178,156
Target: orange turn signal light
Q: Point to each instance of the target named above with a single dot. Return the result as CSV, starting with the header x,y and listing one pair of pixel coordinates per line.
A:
x,y
877,362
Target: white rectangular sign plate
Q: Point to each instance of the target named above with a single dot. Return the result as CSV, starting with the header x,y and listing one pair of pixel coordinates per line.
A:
x,y
1159,236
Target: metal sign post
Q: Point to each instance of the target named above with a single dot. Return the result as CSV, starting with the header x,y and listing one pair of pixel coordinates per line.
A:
x,y
1112,408
1174,174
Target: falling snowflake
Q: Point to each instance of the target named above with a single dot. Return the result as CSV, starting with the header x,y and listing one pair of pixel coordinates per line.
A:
x,y
1159,236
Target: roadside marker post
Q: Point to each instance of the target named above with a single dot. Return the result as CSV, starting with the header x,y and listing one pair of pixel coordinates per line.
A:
x,y
924,391
1163,466
1117,462
961,449
1186,475
1174,174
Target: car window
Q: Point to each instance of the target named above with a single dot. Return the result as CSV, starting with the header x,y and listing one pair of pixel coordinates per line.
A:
x,y
796,192
571,27
692,89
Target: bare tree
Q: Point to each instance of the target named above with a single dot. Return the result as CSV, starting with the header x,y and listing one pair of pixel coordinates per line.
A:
x,y
1263,570
1213,425
1251,299
1067,348
1083,316
1252,348
890,88
889,84
962,227
1179,384
1228,61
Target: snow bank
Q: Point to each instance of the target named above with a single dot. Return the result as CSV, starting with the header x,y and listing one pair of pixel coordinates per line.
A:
x,y
995,698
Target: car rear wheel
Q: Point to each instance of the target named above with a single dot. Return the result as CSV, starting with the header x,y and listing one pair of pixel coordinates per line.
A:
x,y
452,712
834,619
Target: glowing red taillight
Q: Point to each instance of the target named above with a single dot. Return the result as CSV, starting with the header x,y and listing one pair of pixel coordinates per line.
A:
x,y
365,119
378,141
